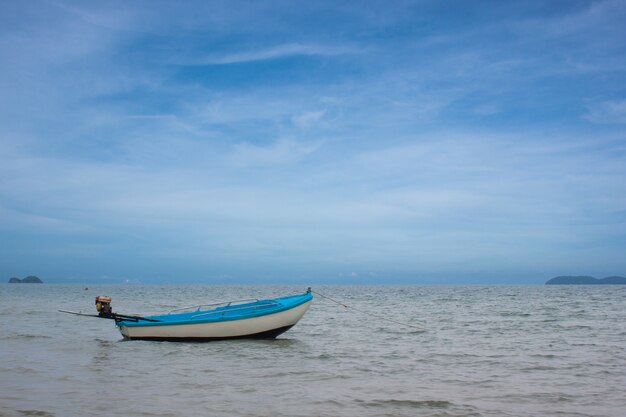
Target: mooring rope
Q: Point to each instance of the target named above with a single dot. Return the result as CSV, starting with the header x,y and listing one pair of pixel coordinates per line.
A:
x,y
367,312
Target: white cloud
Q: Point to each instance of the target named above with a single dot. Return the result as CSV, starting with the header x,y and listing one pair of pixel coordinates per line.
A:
x,y
233,108
487,109
281,152
606,112
308,119
274,52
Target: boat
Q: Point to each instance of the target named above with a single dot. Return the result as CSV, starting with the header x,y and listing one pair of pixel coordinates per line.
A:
x,y
242,319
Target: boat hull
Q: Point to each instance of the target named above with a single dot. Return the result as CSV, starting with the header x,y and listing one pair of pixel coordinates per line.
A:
x,y
261,327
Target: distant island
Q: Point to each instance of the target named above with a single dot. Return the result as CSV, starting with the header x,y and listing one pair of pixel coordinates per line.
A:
x,y
586,280
28,280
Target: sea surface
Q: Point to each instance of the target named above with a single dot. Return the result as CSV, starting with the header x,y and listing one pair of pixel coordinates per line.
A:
x,y
479,351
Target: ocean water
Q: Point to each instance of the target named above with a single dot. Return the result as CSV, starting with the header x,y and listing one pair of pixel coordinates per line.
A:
x,y
480,351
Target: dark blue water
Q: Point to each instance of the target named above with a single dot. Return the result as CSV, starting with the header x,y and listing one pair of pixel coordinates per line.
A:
x,y
483,351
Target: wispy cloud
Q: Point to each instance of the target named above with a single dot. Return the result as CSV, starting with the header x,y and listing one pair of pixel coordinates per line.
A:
x,y
606,112
308,119
276,52
277,154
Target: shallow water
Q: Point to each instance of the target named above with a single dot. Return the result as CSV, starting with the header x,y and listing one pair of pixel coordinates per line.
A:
x,y
483,351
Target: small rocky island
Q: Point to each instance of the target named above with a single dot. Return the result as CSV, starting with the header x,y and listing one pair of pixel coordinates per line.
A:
x,y
31,279
586,280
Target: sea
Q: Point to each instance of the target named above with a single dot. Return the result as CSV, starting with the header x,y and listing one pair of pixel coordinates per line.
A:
x,y
447,351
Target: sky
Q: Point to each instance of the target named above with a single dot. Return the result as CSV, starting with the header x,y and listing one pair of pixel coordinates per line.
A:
x,y
312,142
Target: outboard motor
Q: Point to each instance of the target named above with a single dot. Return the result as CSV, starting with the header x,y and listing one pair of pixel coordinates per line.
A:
x,y
103,305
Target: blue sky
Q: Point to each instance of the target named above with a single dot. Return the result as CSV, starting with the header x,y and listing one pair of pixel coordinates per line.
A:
x,y
312,142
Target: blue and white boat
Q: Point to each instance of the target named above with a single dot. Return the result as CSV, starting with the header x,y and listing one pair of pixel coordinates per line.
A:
x,y
264,319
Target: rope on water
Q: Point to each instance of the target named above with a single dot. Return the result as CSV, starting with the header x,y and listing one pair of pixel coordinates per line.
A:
x,y
367,312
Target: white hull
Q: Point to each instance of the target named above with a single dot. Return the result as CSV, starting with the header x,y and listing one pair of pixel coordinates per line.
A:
x,y
268,325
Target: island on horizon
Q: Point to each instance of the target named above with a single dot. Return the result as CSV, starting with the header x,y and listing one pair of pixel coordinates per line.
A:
x,y
31,279
586,280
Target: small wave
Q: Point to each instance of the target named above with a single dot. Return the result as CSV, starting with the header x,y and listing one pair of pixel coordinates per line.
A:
x,y
26,336
104,342
171,353
19,370
328,402
538,368
407,403
323,356
37,413
409,407
544,355
401,331
514,314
